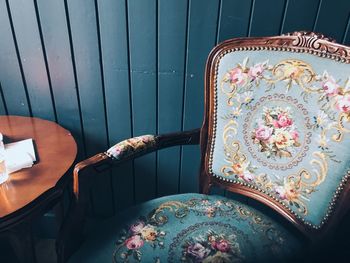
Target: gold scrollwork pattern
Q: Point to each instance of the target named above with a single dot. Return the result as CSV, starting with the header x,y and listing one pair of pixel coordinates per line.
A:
x,y
179,209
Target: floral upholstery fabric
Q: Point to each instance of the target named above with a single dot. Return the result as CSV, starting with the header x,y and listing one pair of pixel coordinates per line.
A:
x,y
282,127
189,228
131,146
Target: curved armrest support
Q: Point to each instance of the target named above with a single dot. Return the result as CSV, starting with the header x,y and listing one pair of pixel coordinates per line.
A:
x,y
132,148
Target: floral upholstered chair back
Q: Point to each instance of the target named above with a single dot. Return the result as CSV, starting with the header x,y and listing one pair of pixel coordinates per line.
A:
x,y
279,123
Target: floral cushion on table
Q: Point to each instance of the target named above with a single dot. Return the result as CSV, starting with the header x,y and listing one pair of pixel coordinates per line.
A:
x,y
282,127
189,228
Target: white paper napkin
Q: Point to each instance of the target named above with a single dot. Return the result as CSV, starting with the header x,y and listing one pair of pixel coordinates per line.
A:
x,y
19,155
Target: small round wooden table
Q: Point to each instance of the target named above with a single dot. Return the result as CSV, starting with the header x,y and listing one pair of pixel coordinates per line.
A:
x,y
31,191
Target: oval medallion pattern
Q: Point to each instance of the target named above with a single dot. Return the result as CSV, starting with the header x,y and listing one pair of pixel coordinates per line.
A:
x,y
277,131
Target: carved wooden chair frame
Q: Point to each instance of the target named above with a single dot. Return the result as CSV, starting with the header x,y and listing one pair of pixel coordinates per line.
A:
x,y
71,232
299,42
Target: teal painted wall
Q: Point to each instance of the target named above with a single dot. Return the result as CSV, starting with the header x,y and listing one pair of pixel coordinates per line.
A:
x,y
111,69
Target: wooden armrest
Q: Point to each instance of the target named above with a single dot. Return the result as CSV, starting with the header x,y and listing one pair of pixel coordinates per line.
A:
x,y
132,148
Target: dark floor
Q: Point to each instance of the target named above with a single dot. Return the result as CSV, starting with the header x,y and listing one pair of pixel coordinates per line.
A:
x,y
45,252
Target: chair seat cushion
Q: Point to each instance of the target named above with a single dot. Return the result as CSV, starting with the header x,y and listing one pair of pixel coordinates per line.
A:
x,y
189,228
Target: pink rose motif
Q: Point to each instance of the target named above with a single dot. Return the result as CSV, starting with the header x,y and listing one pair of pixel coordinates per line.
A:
x,y
117,150
256,71
247,176
137,227
282,121
263,133
295,135
343,103
288,191
146,138
134,242
198,251
221,245
237,76
281,192
330,86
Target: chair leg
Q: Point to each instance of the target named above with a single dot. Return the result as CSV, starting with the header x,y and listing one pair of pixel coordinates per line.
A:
x,y
71,232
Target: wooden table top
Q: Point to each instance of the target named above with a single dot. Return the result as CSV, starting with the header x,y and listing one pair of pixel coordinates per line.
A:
x,y
55,150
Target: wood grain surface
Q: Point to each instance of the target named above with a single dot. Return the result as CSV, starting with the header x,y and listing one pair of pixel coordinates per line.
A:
x,y
55,150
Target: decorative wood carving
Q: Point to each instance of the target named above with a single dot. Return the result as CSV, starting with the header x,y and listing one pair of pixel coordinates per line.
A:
x,y
315,41
310,36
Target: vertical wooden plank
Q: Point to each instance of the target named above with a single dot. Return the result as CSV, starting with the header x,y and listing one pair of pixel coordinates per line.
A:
x,y
143,56
201,39
82,17
333,18
300,15
234,20
114,46
55,35
266,17
346,38
31,53
172,44
10,72
219,190
3,109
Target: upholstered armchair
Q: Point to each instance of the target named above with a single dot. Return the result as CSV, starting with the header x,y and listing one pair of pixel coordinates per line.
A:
x,y
276,129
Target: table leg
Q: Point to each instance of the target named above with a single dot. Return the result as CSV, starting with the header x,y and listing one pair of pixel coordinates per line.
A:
x,y
22,241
